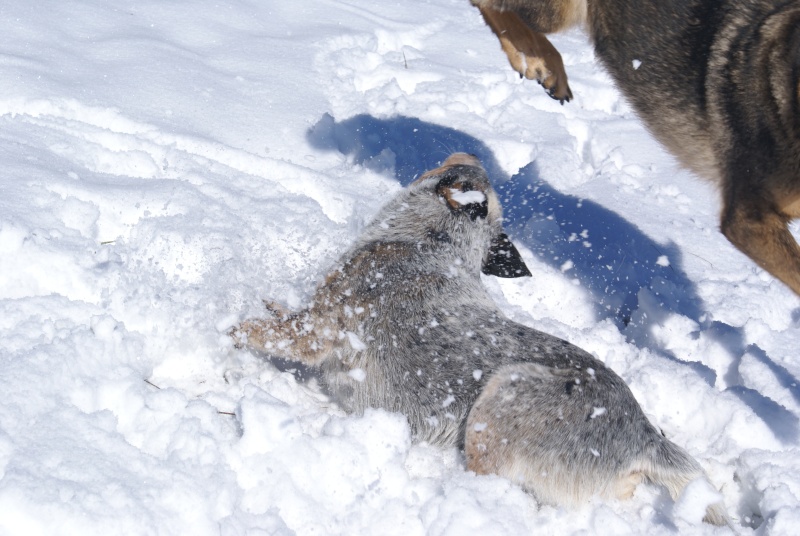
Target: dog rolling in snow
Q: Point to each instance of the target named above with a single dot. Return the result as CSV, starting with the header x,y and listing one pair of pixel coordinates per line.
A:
x,y
716,81
404,323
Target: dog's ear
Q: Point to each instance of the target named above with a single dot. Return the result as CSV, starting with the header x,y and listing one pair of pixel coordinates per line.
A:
x,y
504,260
463,196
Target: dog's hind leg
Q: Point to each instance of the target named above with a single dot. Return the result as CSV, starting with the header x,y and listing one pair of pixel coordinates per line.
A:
x,y
567,434
754,106
531,425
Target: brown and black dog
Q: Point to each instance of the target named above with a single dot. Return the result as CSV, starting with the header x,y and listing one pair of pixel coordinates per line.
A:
x,y
716,81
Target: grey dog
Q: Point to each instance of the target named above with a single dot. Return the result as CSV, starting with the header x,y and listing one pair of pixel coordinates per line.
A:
x,y
404,323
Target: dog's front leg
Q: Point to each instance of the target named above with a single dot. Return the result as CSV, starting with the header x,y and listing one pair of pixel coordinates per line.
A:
x,y
530,53
306,336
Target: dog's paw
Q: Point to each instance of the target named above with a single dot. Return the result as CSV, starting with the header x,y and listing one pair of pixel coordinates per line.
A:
x,y
530,53
239,336
558,88
276,310
249,334
555,85
546,70
263,334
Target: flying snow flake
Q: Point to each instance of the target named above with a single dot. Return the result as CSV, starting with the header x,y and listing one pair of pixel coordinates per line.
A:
x,y
447,401
356,343
636,64
595,453
567,266
480,426
596,412
663,260
477,374
358,374
226,322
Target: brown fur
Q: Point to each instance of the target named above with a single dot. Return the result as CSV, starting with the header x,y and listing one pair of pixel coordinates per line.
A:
x,y
718,84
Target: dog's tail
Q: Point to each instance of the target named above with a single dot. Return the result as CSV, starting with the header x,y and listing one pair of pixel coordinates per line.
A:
x,y
672,467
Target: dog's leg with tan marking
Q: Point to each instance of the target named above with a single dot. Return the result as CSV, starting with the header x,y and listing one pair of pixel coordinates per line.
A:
x,y
530,53
520,27
313,335
760,230
307,336
756,102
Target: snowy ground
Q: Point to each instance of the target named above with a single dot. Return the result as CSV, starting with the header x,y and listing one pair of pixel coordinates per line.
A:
x,y
166,165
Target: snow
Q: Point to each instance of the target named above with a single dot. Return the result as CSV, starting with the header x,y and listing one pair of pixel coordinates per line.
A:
x,y
696,497
466,198
355,342
597,412
167,166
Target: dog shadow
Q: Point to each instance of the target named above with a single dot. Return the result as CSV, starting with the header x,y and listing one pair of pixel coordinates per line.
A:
x,y
404,146
631,279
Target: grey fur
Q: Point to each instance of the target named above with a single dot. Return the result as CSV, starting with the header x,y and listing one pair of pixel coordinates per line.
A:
x,y
405,324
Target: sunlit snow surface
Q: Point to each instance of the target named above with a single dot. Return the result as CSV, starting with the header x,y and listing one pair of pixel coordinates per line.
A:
x,y
165,166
